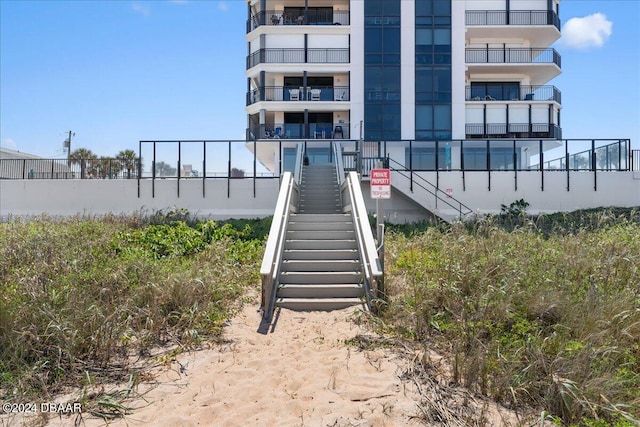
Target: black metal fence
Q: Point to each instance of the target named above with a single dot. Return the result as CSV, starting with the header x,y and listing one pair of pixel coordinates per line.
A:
x,y
104,168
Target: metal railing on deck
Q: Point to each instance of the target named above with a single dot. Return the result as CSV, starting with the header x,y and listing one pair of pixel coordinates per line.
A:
x,y
298,56
439,195
103,168
512,17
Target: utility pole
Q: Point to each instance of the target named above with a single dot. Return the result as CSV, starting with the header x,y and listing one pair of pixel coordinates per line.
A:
x,y
67,143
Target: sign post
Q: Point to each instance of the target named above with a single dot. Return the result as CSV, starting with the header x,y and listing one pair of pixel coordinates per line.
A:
x,y
380,184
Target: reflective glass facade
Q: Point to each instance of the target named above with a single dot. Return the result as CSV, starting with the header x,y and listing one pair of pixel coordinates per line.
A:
x,y
382,69
433,69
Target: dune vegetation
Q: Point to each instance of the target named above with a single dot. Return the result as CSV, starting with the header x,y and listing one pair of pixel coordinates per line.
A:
x,y
539,313
531,312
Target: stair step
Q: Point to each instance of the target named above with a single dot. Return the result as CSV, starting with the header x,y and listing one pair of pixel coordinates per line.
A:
x,y
323,278
317,304
320,291
320,265
320,244
320,254
320,226
320,218
320,235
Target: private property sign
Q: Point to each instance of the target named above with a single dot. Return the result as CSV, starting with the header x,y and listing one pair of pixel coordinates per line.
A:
x,y
380,184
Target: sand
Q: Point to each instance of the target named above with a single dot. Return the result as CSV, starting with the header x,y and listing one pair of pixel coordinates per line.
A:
x,y
302,370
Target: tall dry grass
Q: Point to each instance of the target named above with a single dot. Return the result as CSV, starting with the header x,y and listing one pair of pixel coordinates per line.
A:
x,y
78,298
549,320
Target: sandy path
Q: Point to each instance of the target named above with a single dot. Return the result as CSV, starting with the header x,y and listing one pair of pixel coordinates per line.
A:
x,y
299,371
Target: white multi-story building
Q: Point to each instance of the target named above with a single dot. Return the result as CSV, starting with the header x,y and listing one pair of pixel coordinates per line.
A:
x,y
393,70
456,92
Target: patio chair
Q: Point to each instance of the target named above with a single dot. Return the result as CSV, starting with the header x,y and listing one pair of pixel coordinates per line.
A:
x,y
315,94
294,94
338,131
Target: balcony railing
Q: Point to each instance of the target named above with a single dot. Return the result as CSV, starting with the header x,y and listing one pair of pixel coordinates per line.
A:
x,y
512,55
282,93
513,130
524,93
300,131
512,17
309,17
298,56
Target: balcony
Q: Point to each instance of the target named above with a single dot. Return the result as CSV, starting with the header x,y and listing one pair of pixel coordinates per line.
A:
x,y
497,92
539,27
298,56
512,55
320,16
540,64
294,94
300,131
513,130
512,17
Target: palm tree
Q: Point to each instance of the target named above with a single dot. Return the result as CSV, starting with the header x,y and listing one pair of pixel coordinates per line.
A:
x,y
128,161
165,169
85,158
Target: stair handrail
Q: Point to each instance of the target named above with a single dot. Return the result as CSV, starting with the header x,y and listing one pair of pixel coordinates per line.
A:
x,y
272,259
297,174
337,154
372,268
463,210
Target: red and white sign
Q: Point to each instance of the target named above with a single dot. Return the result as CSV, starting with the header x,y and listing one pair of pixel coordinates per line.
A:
x,y
380,183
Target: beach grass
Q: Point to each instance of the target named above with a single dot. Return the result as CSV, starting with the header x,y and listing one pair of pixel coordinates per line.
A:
x,y
546,317
82,299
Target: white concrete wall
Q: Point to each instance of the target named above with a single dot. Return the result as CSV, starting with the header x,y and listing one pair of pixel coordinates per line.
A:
x,y
100,197
620,189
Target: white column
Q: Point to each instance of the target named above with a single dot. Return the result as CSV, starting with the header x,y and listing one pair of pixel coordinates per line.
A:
x,y
458,70
407,70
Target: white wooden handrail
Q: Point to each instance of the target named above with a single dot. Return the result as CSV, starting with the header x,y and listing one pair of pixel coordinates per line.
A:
x,y
272,258
366,244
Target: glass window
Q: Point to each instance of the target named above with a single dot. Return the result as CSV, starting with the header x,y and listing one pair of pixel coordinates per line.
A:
x,y
424,36
442,7
373,7
372,78
424,80
424,7
442,79
442,116
373,40
424,21
424,117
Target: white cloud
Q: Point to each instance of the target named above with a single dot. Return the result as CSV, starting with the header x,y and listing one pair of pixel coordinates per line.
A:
x,y
223,6
589,31
9,143
140,8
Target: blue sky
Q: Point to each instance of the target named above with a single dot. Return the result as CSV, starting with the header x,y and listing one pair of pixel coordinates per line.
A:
x,y
116,72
